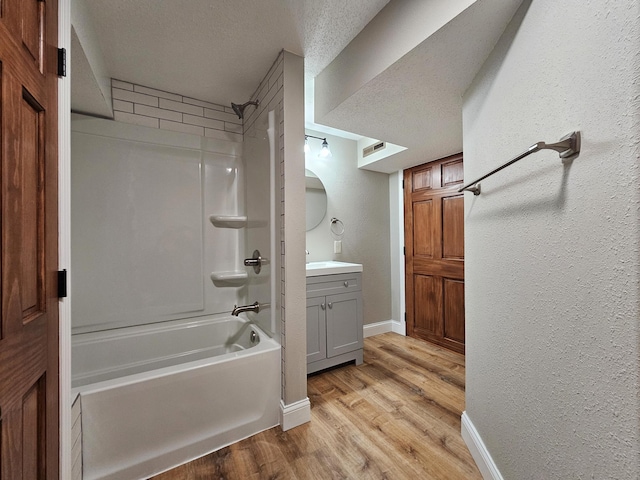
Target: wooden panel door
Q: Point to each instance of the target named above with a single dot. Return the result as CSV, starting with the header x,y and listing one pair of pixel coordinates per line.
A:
x,y
29,232
434,261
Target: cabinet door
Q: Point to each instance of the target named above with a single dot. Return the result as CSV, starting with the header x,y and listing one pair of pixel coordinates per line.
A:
x,y
316,329
344,323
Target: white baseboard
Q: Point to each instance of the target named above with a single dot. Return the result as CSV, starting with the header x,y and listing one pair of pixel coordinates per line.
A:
x,y
378,328
399,327
294,414
478,450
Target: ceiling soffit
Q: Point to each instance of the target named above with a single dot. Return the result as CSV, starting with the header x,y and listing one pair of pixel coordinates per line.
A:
x,y
415,99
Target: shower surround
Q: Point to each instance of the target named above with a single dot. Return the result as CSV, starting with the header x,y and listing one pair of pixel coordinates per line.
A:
x,y
155,275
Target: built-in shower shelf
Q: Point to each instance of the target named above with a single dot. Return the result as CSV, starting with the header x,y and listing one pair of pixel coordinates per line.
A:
x,y
228,221
229,279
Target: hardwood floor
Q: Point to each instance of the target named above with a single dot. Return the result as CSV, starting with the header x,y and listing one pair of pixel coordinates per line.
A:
x,y
396,416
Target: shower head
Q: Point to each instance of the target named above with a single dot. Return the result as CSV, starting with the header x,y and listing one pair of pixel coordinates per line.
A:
x,y
239,109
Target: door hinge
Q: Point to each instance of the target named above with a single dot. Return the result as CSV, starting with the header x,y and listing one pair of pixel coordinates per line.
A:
x,y
405,317
62,62
403,184
62,283
404,251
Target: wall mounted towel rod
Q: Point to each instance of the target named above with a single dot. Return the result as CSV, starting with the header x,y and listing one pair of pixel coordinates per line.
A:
x,y
568,146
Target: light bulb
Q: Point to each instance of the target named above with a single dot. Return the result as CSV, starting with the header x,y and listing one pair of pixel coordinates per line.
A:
x,y
324,151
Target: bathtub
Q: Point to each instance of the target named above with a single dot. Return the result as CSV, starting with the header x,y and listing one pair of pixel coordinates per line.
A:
x,y
154,397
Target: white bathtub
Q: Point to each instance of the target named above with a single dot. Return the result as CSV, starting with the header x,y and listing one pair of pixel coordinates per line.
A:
x,y
189,388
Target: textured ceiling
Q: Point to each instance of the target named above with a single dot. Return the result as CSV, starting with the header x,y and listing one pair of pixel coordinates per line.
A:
x,y
416,101
219,50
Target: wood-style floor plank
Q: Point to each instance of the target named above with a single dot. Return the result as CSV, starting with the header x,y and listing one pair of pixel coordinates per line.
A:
x,y
396,416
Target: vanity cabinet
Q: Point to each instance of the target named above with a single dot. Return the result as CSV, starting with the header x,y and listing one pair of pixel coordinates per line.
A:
x,y
334,320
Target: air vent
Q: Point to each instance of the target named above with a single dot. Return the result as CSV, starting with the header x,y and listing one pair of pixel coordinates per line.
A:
x,y
376,147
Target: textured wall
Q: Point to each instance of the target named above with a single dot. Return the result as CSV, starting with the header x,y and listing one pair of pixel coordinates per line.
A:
x,y
294,339
360,199
552,263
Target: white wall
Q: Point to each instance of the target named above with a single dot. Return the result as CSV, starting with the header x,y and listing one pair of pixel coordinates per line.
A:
x,y
294,326
552,264
92,92
408,23
360,199
396,234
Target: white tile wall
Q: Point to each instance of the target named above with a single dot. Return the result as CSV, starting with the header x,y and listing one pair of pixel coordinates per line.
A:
x,y
182,107
122,106
136,119
200,103
157,113
122,85
203,122
134,97
154,108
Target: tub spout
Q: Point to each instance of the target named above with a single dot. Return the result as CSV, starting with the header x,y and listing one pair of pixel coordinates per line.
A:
x,y
254,307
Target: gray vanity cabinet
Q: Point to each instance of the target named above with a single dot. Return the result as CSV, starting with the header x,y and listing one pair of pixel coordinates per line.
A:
x,y
334,320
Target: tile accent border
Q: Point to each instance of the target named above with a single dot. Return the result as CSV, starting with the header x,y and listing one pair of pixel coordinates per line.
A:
x,y
140,105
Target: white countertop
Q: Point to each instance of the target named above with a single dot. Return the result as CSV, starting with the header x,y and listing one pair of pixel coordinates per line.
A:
x,y
315,269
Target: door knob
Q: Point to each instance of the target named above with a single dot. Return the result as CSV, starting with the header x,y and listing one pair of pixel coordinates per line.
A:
x,y
322,306
330,305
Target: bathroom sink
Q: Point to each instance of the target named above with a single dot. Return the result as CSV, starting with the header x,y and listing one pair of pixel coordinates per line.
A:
x,y
330,267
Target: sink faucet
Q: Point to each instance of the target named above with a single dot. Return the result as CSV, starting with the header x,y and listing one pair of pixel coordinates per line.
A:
x,y
254,307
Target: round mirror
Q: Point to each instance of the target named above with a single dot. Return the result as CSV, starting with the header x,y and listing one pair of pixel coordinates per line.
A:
x,y
316,200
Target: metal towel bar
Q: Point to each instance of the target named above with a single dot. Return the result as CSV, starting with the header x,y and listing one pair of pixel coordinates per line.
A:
x,y
568,146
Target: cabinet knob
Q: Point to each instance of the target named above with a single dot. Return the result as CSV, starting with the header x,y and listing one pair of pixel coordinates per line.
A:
x,y
330,305
322,306
346,284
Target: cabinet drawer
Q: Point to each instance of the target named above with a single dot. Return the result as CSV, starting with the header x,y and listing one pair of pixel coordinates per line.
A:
x,y
334,284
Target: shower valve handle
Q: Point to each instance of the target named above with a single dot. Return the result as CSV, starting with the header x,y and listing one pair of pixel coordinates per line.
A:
x,y
256,261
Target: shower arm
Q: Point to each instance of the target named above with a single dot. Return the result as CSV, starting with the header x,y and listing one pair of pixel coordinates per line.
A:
x,y
239,109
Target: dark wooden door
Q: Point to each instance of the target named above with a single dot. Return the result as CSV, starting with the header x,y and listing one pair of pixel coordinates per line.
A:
x,y
29,232
434,258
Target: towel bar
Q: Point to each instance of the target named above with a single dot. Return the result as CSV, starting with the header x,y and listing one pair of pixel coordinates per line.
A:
x,y
568,146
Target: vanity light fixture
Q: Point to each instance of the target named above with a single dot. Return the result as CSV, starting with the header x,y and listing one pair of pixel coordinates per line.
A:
x,y
324,150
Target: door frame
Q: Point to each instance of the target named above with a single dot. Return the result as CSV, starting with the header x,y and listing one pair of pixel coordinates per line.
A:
x,y
443,192
64,239
397,261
